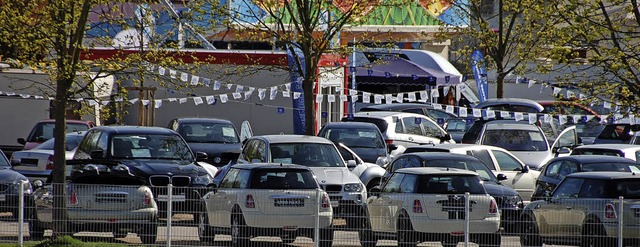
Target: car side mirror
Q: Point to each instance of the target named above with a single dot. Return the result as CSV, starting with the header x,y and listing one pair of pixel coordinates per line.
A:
x,y
375,191
392,147
96,154
351,164
445,138
525,169
22,141
501,177
201,156
382,161
563,150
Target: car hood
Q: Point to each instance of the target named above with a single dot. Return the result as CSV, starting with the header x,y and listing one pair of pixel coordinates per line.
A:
x,y
334,175
495,189
9,176
68,154
369,154
534,160
164,167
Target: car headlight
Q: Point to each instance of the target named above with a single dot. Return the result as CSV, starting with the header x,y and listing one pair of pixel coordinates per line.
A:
x,y
353,187
204,180
27,189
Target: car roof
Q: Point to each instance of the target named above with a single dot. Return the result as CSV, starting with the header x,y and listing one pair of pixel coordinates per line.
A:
x,y
618,146
440,156
130,129
288,138
452,146
202,120
269,166
510,101
605,175
509,124
593,159
350,125
385,114
435,171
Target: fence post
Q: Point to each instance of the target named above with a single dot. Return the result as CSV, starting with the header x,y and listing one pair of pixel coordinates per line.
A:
x,y
466,218
316,228
620,221
21,214
169,212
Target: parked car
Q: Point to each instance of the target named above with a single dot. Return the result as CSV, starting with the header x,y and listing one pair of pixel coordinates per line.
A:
x,y
427,204
509,202
619,132
43,131
10,181
159,155
526,141
268,199
346,191
403,129
457,126
37,163
370,174
567,108
216,137
585,210
363,138
558,168
102,198
628,151
438,114
511,105
499,160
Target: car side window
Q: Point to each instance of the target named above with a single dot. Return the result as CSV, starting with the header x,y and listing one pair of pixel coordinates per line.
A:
x,y
408,184
346,155
506,161
483,155
405,162
568,188
399,128
87,145
103,141
430,128
412,125
553,168
260,151
393,185
567,168
249,151
593,188
567,139
242,179
229,179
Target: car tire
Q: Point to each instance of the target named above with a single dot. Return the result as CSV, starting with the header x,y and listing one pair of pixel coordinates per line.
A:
x,y
366,235
149,233
405,233
36,230
326,237
593,235
205,232
491,240
239,231
529,235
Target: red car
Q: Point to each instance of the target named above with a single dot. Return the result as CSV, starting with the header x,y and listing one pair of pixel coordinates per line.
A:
x,y
43,131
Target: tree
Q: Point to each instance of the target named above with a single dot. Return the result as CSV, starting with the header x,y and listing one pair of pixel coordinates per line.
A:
x,y
600,45
510,33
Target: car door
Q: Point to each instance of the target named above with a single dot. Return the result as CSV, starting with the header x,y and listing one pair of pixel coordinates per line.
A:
x,y
567,140
519,178
558,217
380,207
220,203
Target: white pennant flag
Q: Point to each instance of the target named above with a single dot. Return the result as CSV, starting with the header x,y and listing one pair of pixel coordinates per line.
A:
x,y
194,80
161,70
519,116
145,102
491,114
210,99
445,90
287,87
331,98
197,100
173,74
273,92
37,96
437,106
576,118
570,94
172,99
531,82
224,98
184,76
533,118
412,97
377,99
400,97
247,94
423,96
562,119
581,96
229,86
607,105
353,92
286,94
236,95
296,95
77,99
216,85
92,102
343,98
354,98
11,93
477,112
118,99
366,97
261,93
239,88
388,98
158,103
435,93
556,90
319,98
25,96
449,109
206,82
505,114
182,100
133,101
105,102
547,118
462,112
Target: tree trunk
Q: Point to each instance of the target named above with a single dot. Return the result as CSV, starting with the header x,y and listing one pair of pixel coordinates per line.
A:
x,y
309,105
59,159
500,85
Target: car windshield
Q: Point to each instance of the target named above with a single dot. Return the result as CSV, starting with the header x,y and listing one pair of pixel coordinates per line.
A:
x,y
629,189
458,125
279,179
209,133
355,138
71,142
134,146
446,184
307,154
611,166
3,160
466,164
44,131
515,140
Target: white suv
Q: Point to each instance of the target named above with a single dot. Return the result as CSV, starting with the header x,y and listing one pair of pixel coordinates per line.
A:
x,y
346,191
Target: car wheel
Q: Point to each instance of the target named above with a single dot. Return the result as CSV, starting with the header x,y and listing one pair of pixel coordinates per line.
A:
x,y
373,183
594,235
36,230
367,238
405,233
148,233
205,232
529,235
491,240
239,235
326,237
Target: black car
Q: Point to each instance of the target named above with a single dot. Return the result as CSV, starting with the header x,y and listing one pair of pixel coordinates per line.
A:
x,y
159,155
10,194
457,126
216,137
558,168
363,138
438,114
508,200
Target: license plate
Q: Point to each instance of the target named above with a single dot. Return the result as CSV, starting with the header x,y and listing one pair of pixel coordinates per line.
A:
x,y
3,198
289,202
175,198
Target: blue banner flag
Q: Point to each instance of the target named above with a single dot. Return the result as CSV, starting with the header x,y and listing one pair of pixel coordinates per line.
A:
x,y
296,86
480,75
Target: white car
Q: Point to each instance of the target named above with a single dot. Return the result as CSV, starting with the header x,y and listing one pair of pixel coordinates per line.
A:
x,y
267,200
427,204
499,160
628,151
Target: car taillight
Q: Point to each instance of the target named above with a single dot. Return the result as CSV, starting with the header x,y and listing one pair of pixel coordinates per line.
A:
x,y
417,206
493,207
73,198
610,212
250,203
50,163
389,142
326,203
147,198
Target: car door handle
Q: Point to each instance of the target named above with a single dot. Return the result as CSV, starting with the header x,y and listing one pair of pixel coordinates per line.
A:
x,y
569,207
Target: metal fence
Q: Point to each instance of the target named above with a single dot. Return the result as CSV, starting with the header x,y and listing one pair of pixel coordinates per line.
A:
x,y
134,215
